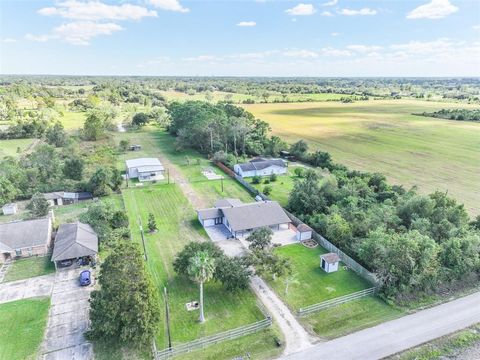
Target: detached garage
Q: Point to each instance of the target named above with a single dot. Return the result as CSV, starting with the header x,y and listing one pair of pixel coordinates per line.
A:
x,y
73,242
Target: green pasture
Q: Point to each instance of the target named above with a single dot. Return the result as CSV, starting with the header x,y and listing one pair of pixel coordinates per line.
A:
x,y
16,147
384,136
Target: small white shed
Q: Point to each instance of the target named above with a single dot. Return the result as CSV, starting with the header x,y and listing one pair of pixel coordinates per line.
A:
x,y
329,262
304,232
9,209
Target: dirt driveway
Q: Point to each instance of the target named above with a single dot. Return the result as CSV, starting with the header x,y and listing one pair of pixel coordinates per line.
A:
x,y
68,319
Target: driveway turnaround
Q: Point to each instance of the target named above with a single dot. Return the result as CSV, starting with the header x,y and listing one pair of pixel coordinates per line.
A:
x,y
398,335
68,319
24,289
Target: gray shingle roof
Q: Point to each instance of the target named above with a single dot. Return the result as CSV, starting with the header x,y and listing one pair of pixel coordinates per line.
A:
x,y
74,241
227,203
304,228
212,213
24,234
260,164
255,215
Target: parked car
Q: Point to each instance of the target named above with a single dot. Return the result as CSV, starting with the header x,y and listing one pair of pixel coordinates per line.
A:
x,y
85,278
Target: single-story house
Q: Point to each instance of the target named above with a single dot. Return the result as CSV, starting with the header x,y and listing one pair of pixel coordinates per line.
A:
x,y
145,169
58,198
329,262
25,238
9,209
304,232
74,241
261,167
240,218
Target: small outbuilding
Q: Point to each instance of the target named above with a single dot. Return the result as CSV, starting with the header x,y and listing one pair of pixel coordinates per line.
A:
x,y
9,209
304,232
329,262
75,241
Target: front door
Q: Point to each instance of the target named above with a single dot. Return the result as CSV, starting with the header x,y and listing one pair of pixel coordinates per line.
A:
x,y
218,221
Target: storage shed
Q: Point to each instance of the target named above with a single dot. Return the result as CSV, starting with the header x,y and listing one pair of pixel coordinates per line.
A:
x,y
9,209
329,262
304,232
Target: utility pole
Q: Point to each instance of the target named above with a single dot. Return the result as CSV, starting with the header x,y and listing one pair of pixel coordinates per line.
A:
x,y
168,175
167,316
143,242
222,182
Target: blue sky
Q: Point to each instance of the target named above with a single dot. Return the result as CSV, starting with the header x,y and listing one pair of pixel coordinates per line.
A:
x,y
241,38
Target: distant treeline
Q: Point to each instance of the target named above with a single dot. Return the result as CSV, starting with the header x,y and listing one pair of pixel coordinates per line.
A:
x,y
454,114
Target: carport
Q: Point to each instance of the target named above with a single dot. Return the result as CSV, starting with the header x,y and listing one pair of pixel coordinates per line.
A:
x,y
73,242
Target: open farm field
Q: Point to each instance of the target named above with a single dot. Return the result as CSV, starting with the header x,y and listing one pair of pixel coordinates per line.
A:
x,y
384,136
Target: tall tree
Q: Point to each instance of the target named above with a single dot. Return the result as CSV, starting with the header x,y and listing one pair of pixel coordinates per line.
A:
x,y
125,307
38,206
201,269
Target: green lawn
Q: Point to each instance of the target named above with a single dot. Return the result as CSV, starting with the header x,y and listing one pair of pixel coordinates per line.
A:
x,y
384,136
350,317
314,284
10,147
29,267
22,324
72,120
177,225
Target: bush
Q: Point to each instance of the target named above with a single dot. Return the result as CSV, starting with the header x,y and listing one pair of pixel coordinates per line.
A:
x,y
299,172
256,179
273,177
267,190
266,181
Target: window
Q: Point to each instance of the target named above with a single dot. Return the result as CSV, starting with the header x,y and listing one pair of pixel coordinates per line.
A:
x,y
18,252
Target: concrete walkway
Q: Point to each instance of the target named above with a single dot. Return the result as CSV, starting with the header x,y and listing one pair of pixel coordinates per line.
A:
x,y
398,335
23,289
4,269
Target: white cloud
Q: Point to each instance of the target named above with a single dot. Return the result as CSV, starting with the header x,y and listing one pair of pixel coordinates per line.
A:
x,y
364,48
301,9
247,23
361,12
476,27
77,32
171,5
203,58
326,13
8,40
436,9
329,51
334,34
330,3
96,10
304,54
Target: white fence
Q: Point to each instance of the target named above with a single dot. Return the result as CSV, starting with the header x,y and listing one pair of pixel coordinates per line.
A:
x,y
213,339
336,301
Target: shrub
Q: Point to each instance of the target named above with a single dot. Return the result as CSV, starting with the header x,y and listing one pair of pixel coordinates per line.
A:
x,y
273,177
267,190
299,172
256,179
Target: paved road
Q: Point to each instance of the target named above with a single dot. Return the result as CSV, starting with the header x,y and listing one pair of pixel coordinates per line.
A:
x,y
398,335
24,289
68,319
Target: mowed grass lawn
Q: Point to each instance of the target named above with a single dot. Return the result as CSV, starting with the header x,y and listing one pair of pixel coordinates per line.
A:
x,y
383,136
314,286
30,267
22,324
177,226
11,147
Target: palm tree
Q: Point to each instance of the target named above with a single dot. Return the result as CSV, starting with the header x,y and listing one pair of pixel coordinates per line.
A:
x,y
201,269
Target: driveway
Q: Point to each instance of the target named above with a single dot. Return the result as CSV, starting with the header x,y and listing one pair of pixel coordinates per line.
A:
x,y
68,319
220,235
398,335
24,289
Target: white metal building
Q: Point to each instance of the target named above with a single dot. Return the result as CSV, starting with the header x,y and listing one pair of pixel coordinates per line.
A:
x,y
261,167
329,262
145,169
9,209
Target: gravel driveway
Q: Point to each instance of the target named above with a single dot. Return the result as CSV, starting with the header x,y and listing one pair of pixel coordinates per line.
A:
x,y
68,319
